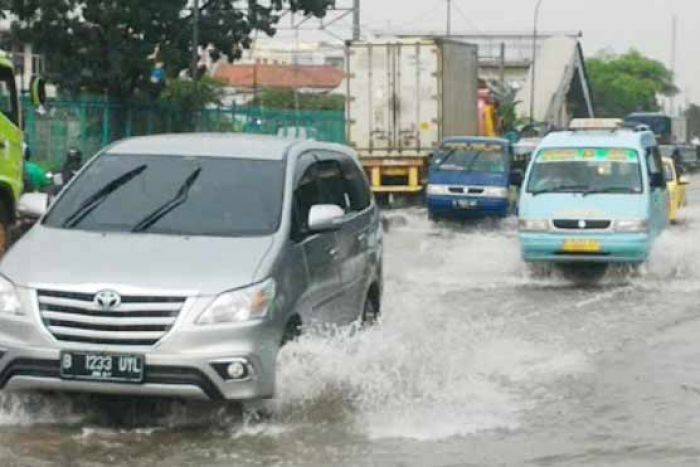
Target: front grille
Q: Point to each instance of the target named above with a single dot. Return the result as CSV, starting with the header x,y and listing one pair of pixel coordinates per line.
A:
x,y
136,321
578,224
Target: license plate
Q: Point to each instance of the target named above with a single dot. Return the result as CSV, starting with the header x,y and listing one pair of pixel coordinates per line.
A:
x,y
582,246
102,367
465,204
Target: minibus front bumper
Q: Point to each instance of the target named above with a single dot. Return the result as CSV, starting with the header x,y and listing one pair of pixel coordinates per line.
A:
x,y
631,248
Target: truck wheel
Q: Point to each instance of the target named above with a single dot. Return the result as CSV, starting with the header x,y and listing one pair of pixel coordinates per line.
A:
x,y
5,228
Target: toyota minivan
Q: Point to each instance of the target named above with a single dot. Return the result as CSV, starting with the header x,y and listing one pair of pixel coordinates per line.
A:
x,y
178,265
593,195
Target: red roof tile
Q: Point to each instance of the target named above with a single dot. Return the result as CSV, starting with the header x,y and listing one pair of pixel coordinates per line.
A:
x,y
280,76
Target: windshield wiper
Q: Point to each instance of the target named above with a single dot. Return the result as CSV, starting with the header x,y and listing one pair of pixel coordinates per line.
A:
x,y
560,189
178,200
611,189
96,199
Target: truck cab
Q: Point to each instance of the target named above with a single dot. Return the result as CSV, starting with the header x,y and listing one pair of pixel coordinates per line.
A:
x,y
12,149
596,196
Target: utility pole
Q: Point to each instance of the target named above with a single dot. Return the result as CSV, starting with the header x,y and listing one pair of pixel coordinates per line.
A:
x,y
195,39
534,62
449,18
674,38
356,20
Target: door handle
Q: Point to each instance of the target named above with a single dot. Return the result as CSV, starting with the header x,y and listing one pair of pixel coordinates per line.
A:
x,y
362,237
333,252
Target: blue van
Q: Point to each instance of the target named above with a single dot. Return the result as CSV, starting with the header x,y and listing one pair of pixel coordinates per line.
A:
x,y
595,196
470,177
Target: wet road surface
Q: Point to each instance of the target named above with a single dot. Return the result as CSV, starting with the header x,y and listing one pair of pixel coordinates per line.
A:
x,y
476,362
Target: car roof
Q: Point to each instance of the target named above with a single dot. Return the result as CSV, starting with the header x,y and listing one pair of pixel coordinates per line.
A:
x,y
603,139
229,145
474,139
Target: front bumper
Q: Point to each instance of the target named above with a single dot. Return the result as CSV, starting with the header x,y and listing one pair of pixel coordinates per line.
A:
x,y
180,365
616,248
467,206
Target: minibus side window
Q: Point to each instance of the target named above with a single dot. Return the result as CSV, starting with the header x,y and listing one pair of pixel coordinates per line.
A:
x,y
655,168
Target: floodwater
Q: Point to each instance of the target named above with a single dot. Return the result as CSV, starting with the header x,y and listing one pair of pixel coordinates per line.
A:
x,y
476,362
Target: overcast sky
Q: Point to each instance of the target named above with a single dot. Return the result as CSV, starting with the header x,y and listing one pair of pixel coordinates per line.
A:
x,y
606,24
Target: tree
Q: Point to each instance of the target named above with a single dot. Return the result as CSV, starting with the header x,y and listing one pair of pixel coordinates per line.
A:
x,y
103,46
622,84
285,99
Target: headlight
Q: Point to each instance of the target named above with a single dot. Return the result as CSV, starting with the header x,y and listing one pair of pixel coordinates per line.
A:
x,y
632,226
496,192
241,305
528,225
438,190
9,301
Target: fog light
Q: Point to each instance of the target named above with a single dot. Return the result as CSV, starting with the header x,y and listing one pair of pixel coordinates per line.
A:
x,y
237,370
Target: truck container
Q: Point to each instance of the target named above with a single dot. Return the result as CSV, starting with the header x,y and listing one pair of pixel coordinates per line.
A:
x,y
679,130
404,96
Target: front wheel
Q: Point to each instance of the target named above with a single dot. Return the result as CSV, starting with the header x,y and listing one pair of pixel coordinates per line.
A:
x,y
370,312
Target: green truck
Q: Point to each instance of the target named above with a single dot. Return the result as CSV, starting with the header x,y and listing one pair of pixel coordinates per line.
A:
x,y
11,150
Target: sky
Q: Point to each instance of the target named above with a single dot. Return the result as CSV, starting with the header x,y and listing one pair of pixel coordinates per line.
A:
x,y
614,25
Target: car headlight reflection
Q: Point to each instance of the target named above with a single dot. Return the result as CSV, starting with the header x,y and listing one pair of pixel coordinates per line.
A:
x,y
239,306
530,225
632,226
9,301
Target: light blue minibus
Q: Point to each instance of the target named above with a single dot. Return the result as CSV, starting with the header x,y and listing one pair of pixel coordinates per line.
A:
x,y
594,195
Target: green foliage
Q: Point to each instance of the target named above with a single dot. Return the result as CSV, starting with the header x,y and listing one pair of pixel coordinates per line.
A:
x,y
102,46
622,84
189,96
285,99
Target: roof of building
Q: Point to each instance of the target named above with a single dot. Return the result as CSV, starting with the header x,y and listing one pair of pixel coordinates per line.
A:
x,y
280,76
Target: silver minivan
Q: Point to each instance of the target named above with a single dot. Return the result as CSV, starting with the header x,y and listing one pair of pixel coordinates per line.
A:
x,y
178,265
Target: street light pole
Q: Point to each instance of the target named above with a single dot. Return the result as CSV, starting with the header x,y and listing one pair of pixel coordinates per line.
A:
x,y
449,18
534,62
195,39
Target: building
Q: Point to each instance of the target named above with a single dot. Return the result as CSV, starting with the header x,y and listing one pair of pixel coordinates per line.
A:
x,y
243,82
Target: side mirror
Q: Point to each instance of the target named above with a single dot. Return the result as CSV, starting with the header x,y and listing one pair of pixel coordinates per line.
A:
x,y
33,205
37,88
657,180
516,177
325,217
683,180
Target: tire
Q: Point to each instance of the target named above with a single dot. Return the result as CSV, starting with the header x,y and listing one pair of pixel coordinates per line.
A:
x,y
371,312
292,331
5,228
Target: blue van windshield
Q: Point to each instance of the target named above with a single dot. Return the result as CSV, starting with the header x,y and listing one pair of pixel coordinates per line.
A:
x,y
473,157
586,170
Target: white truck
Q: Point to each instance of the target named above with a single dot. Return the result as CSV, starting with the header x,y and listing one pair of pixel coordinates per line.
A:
x,y
404,96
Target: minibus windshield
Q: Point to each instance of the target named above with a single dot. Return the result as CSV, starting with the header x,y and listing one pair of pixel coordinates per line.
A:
x,y
586,170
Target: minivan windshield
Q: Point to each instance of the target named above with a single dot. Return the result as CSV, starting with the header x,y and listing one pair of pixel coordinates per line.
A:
x,y
174,195
586,170
472,157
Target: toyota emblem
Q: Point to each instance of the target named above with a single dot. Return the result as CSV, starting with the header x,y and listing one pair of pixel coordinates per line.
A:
x,y
107,299
581,224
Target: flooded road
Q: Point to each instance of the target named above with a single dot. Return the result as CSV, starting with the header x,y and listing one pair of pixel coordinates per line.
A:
x,y
476,362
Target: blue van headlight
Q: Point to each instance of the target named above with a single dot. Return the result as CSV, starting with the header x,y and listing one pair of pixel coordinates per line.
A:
x,y
631,226
533,225
438,190
496,192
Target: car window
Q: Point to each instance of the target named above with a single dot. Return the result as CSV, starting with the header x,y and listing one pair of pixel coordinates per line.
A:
x,y
8,103
332,184
356,185
306,195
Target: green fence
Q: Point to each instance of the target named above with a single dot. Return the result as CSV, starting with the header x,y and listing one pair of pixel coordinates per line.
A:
x,y
91,125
